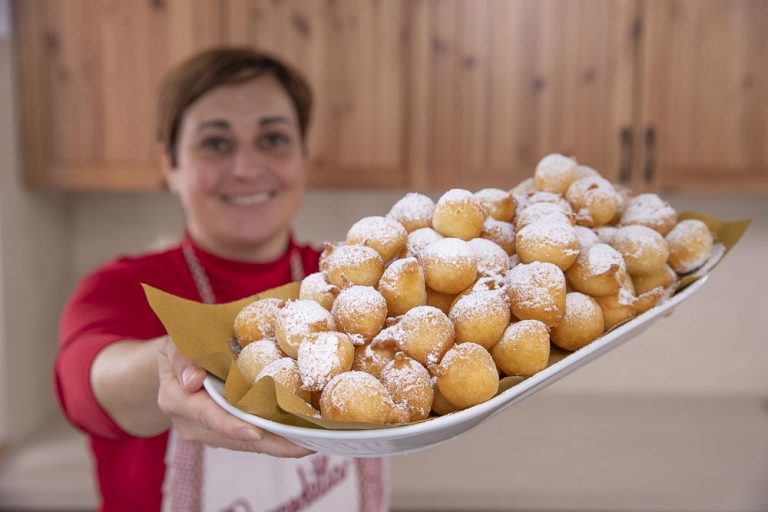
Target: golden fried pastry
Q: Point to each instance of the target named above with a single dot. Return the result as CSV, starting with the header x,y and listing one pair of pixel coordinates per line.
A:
x,y
582,324
543,211
419,239
596,271
458,214
315,287
594,200
537,292
256,321
499,204
548,241
373,357
549,197
587,237
255,356
605,233
425,334
357,396
409,385
440,405
449,265
360,310
644,250
586,171
441,301
501,233
296,320
666,278
403,286
555,173
343,265
467,375
285,372
651,211
623,306
480,317
523,348
385,236
522,190
492,260
414,211
690,245
322,356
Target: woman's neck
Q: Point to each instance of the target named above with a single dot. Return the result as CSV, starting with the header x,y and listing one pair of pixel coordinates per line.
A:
x,y
265,251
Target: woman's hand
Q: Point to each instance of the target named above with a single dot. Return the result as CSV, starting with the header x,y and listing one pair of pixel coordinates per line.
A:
x,y
196,417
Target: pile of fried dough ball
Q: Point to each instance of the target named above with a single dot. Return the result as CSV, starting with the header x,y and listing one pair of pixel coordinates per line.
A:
x,y
421,311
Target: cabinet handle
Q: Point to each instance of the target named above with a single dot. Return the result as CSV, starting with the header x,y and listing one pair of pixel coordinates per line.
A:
x,y
625,166
649,172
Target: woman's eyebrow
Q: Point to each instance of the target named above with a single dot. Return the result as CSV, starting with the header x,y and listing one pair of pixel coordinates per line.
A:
x,y
216,123
265,121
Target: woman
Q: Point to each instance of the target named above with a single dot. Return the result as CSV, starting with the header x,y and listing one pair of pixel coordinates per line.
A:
x,y
232,129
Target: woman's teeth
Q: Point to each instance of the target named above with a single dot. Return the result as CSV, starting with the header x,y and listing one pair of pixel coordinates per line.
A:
x,y
250,199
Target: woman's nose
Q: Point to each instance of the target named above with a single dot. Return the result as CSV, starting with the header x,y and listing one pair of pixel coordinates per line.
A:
x,y
249,162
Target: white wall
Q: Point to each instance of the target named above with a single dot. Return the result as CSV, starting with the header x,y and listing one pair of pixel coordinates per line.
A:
x,y
34,261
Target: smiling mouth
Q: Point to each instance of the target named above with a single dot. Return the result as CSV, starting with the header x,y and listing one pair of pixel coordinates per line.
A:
x,y
249,199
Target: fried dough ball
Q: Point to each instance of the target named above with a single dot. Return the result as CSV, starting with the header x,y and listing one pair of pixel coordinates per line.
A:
x,y
419,239
666,278
690,245
537,292
492,260
285,372
594,200
501,233
644,250
555,173
582,324
550,197
385,236
449,265
296,320
351,264
256,321
544,211
409,385
322,356
624,305
373,357
586,171
255,356
403,286
360,310
606,233
522,190
467,375
596,271
587,237
458,215
480,317
440,405
425,334
499,204
651,211
357,396
315,287
625,195
413,211
547,241
523,348
441,301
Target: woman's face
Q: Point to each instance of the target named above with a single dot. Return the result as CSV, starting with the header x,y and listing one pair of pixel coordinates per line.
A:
x,y
241,168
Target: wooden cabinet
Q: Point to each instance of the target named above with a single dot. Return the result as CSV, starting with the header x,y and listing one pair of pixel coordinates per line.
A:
x,y
419,93
704,117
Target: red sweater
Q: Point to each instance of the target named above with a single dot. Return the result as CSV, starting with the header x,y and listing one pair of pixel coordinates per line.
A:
x,y
108,306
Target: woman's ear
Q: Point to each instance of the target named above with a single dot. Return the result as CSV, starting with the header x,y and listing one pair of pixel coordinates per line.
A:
x,y
166,166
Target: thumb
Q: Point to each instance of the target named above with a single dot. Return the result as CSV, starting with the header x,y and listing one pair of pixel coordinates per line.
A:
x,y
189,375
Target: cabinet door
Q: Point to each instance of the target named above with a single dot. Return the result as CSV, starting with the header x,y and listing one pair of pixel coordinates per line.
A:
x,y
512,81
88,73
356,59
705,99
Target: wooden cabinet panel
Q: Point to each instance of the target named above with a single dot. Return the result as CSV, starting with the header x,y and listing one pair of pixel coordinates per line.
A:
x,y
515,80
705,94
355,56
89,71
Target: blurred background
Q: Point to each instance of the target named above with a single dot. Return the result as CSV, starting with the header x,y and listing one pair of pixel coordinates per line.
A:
x,y
418,95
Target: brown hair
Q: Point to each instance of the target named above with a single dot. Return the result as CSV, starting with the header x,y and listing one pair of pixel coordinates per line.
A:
x,y
214,67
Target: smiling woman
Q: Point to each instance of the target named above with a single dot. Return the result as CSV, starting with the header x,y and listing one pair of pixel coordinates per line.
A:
x,y
231,140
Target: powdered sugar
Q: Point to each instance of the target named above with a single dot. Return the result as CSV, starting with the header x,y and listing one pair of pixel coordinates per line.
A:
x,y
492,260
580,305
600,258
542,212
647,209
458,195
413,210
633,241
419,239
301,317
587,237
377,228
554,166
449,251
549,233
532,284
503,233
314,285
321,357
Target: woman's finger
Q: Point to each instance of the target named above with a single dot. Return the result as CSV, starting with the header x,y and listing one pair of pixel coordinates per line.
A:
x,y
189,375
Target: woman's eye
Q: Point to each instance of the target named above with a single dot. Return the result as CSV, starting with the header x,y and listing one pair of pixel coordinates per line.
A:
x,y
274,141
216,144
